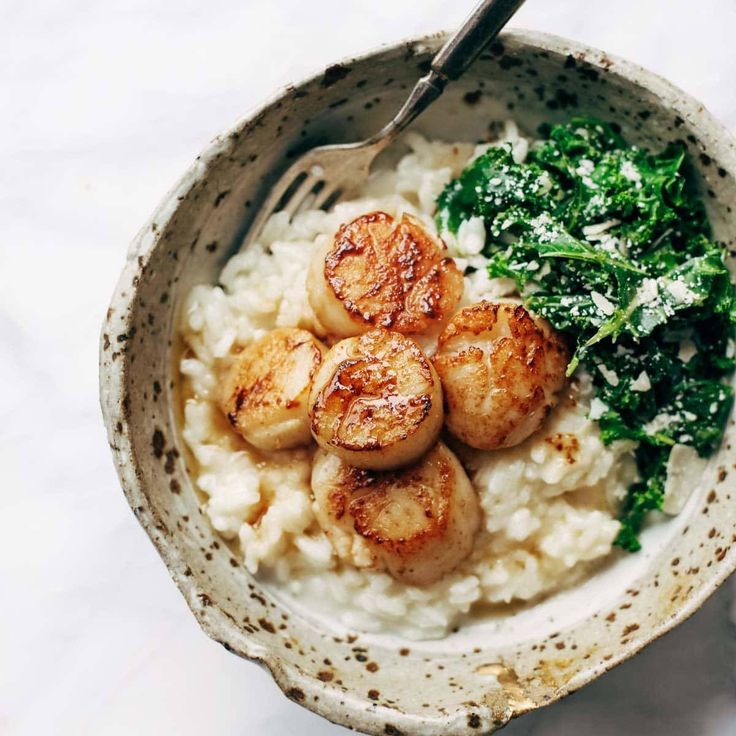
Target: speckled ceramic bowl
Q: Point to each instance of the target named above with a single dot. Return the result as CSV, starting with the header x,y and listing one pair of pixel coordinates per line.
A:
x,y
477,679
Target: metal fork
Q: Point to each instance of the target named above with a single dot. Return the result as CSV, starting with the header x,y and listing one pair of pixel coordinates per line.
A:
x,y
323,175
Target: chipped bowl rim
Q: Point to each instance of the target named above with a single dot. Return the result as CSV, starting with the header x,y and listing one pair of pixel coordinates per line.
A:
x,y
351,711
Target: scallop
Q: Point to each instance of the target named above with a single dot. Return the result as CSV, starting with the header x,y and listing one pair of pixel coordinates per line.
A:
x,y
376,401
265,393
378,272
501,370
416,523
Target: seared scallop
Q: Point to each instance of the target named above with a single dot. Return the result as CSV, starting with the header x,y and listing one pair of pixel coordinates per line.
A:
x,y
417,523
381,273
501,370
265,392
376,401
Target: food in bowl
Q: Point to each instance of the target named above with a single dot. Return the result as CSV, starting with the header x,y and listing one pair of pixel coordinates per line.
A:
x,y
376,401
579,324
417,522
377,272
501,370
266,388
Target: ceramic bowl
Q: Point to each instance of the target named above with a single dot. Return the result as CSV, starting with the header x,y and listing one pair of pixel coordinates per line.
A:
x,y
480,677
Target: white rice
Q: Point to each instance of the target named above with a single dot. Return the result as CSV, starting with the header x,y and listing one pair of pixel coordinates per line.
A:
x,y
549,504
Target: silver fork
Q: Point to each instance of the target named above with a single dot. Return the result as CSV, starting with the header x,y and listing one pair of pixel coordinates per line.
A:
x,y
326,173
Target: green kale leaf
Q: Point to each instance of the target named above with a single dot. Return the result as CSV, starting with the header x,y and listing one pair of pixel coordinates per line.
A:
x,y
611,244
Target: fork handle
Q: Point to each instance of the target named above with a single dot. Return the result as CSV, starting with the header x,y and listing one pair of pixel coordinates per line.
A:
x,y
465,45
458,53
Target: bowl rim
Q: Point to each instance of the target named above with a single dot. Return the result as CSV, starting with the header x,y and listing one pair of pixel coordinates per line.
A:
x,y
351,711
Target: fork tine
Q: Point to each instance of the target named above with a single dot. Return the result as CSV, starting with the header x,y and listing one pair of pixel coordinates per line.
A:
x,y
286,193
308,202
297,197
322,195
269,206
327,196
315,181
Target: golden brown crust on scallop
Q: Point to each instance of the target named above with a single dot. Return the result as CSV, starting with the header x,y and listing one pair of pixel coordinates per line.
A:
x,y
418,522
367,496
376,400
265,392
501,370
383,273
362,399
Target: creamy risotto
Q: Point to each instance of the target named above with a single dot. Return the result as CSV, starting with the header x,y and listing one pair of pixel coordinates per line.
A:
x,y
549,504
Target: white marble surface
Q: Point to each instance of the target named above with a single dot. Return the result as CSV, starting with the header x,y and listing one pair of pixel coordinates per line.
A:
x,y
105,104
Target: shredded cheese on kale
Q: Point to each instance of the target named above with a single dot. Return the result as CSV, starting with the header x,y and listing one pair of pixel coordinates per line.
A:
x,y
612,246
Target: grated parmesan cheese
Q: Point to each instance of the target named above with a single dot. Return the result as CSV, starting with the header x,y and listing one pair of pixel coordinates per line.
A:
x,y
660,422
684,471
642,383
630,172
610,376
600,227
603,304
585,168
680,292
597,408
647,292
687,351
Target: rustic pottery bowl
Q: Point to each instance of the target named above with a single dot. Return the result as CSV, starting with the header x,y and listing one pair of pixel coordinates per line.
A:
x,y
477,679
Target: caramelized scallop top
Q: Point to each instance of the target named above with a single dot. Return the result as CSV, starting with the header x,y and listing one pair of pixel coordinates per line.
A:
x,y
264,394
382,273
501,370
418,522
376,400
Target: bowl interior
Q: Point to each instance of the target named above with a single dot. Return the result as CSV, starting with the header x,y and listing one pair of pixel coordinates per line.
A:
x,y
486,673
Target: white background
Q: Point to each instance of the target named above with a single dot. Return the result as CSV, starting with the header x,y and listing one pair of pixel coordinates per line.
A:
x,y
104,105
